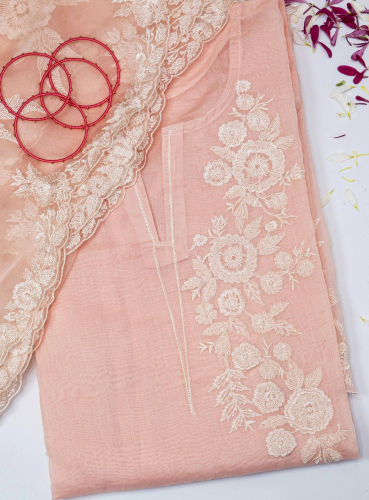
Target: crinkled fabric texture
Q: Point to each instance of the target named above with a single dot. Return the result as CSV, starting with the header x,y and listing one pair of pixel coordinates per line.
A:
x,y
198,334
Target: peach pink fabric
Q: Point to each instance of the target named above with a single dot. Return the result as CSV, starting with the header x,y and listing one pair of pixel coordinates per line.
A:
x,y
197,335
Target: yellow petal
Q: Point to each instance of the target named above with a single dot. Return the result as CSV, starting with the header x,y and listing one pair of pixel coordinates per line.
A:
x,y
348,180
365,321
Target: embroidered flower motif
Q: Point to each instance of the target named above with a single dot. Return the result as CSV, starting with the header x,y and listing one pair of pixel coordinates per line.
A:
x,y
277,201
269,369
233,259
282,351
262,322
309,410
245,101
232,133
217,173
19,17
242,86
270,226
258,165
271,283
258,120
268,397
283,260
27,294
205,313
148,12
280,443
200,240
305,268
246,356
333,296
231,302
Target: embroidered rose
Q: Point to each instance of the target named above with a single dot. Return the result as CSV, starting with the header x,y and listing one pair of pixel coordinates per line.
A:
x,y
246,356
277,201
233,259
258,165
282,351
245,101
27,294
309,410
280,443
258,120
262,322
232,133
205,313
19,17
217,173
231,302
268,397
305,268
283,260
268,369
271,283
242,86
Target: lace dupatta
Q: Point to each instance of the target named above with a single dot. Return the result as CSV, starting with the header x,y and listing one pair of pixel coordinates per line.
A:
x,y
48,211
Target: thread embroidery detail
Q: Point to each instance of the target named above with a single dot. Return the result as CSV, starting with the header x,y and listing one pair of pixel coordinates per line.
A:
x,y
229,287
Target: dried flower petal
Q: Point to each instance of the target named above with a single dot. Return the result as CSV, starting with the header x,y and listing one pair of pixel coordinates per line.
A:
x,y
351,198
339,157
365,321
339,89
325,200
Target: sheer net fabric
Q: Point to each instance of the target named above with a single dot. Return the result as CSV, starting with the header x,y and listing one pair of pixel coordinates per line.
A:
x,y
48,210
198,334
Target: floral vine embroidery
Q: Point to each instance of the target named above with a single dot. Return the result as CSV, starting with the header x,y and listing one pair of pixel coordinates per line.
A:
x,y
227,282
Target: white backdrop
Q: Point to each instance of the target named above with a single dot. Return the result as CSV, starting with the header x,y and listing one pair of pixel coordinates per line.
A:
x,y
23,460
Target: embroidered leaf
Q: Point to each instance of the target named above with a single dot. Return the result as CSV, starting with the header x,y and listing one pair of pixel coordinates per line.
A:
x,y
269,244
58,236
331,455
192,283
309,449
278,308
239,223
314,378
252,200
30,210
209,290
237,326
203,347
273,131
252,290
273,422
216,329
224,153
223,348
328,440
294,377
253,229
201,269
237,422
5,134
228,411
234,192
284,328
340,328
284,143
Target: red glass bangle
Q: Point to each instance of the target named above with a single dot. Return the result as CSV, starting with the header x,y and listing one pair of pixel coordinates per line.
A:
x,y
85,106
49,115
68,101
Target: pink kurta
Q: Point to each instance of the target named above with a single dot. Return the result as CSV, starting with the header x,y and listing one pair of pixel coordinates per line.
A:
x,y
193,337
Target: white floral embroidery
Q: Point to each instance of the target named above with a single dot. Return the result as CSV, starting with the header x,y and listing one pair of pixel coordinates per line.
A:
x,y
282,351
280,443
205,314
269,369
232,133
268,397
20,17
231,302
217,173
246,356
